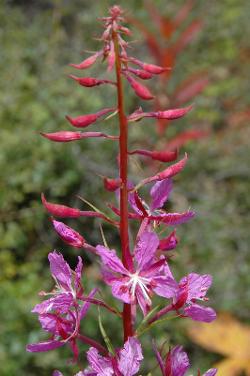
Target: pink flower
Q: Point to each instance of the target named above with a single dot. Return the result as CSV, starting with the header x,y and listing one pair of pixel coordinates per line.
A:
x,y
177,363
126,362
61,314
149,275
153,213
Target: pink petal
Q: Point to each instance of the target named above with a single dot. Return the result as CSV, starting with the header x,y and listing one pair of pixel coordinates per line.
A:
x,y
211,372
145,249
44,346
174,219
130,357
198,284
99,364
60,270
60,302
200,313
160,193
179,362
110,260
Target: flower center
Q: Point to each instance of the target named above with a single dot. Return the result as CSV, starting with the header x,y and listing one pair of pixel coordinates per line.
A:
x,y
137,280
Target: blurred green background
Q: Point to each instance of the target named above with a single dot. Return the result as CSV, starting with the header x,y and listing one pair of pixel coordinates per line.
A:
x,y
39,39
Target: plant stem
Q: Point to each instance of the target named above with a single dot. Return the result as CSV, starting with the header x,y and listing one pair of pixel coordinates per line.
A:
x,y
93,343
123,145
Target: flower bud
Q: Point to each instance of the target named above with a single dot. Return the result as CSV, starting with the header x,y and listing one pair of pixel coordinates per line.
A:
x,y
140,90
172,170
111,184
162,156
169,243
85,120
144,75
63,136
68,235
60,210
90,81
151,68
86,63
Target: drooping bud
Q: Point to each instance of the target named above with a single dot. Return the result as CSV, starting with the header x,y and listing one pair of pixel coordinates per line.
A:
x,y
66,136
165,174
162,156
172,170
111,184
87,62
140,90
85,120
144,75
62,136
169,243
61,211
171,114
151,68
90,81
68,235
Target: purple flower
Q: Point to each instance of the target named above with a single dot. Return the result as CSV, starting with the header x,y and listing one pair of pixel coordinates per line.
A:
x,y
192,288
126,362
154,213
177,363
149,274
61,314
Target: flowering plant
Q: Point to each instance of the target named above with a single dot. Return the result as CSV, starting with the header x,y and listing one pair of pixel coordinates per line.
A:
x,y
134,276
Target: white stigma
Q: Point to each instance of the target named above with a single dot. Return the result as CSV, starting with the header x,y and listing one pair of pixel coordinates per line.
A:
x,y
137,280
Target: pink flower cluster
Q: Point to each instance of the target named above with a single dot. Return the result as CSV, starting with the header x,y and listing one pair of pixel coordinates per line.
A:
x,y
134,276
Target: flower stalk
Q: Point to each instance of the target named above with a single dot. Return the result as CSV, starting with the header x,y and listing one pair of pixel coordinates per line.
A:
x,y
123,163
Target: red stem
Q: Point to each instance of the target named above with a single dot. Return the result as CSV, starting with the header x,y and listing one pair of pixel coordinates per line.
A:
x,y
123,141
93,343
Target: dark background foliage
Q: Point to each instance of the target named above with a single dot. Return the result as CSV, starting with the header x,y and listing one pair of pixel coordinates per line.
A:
x,y
38,40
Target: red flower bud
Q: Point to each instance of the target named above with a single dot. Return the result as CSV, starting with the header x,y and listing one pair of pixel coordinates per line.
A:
x,y
140,90
144,75
169,243
60,210
171,114
86,63
162,156
68,235
85,120
151,68
90,81
66,136
111,184
172,170
63,136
